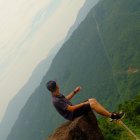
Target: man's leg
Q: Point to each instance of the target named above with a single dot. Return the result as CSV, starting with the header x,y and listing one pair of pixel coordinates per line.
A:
x,y
95,105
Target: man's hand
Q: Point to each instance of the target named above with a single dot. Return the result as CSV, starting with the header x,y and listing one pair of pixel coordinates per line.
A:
x,y
77,89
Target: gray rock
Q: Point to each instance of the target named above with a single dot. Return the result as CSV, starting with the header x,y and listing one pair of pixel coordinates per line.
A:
x,y
82,128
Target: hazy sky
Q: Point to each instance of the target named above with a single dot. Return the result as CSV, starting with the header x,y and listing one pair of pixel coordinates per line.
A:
x,y
28,30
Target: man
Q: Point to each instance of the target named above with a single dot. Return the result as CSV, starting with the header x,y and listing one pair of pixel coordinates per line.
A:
x,y
70,111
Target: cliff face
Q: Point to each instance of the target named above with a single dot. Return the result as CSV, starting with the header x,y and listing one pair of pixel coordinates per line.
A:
x,y
82,128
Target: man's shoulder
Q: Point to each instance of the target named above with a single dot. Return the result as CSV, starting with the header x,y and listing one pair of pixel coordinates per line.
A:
x,y
56,100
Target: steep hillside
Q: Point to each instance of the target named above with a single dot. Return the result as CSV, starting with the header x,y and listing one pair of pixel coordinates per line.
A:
x,y
119,28
102,56
88,5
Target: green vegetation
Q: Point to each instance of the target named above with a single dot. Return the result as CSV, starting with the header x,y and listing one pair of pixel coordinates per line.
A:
x,y
114,131
119,27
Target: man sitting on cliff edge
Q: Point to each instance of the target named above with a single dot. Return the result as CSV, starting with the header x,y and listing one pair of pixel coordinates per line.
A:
x,y
70,111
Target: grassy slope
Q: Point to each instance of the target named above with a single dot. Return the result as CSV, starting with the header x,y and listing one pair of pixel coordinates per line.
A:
x,y
115,131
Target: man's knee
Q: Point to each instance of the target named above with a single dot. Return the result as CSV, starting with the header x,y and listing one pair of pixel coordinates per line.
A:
x,y
92,101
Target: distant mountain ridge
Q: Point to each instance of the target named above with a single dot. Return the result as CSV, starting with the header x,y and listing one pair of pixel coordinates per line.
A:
x,y
97,56
16,104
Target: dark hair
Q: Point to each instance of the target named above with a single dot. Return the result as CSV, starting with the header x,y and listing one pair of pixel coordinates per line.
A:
x,y
51,86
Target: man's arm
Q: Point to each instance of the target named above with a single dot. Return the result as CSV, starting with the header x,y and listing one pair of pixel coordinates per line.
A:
x,y
76,90
75,107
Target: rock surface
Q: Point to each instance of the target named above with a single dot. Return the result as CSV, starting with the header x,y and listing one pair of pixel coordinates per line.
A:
x,y
82,128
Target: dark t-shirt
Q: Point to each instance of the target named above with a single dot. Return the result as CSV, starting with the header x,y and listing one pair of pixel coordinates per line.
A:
x,y
61,104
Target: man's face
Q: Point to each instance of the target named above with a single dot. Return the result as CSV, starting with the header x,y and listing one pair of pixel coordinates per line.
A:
x,y
57,87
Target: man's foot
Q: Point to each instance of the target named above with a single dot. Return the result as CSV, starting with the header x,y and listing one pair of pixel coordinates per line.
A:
x,y
117,115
